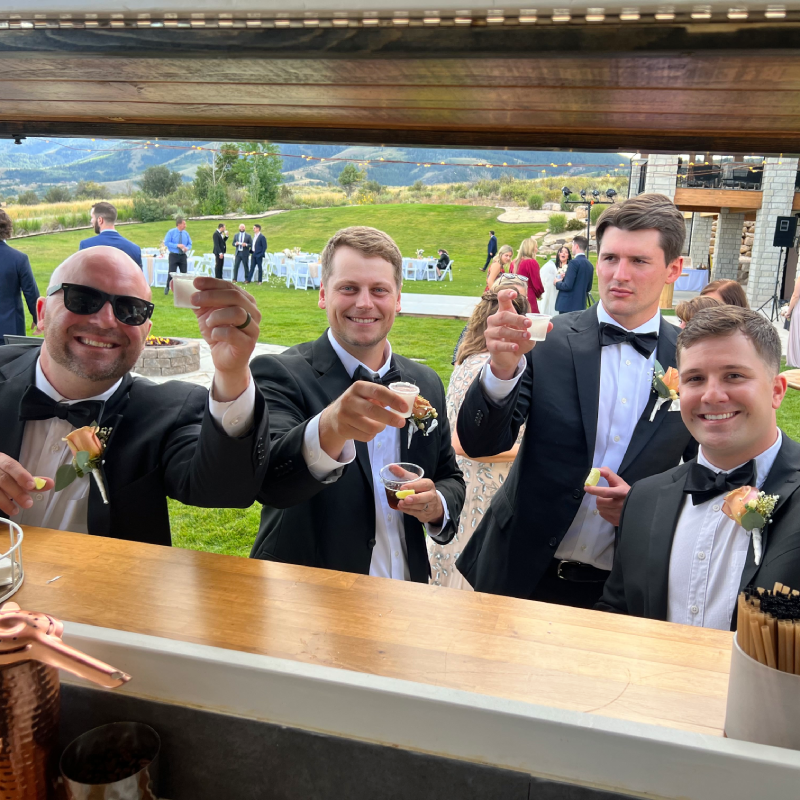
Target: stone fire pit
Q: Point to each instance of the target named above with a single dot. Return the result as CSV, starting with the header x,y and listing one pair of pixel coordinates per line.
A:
x,y
163,357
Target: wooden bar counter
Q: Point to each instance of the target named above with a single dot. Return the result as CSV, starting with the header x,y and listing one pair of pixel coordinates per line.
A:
x,y
592,662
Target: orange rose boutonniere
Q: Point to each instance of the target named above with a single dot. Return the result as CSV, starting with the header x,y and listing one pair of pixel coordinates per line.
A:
x,y
665,385
751,509
87,445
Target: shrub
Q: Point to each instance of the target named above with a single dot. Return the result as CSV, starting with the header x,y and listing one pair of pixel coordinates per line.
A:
x,y
596,212
565,206
90,190
57,194
28,198
535,202
418,186
150,209
557,223
576,225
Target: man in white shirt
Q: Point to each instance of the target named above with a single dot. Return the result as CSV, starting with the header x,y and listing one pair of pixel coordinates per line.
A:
x,y
334,425
169,440
679,557
587,396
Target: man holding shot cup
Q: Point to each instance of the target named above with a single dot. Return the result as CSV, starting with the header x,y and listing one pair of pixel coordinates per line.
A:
x,y
335,423
586,393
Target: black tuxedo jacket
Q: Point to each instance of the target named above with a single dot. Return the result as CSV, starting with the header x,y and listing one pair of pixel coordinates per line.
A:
x,y
243,237
163,443
559,396
333,525
639,582
577,283
220,243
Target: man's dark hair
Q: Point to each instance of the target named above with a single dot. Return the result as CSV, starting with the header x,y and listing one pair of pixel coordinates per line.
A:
x,y
647,212
106,211
257,226
178,220
491,232
221,225
582,242
6,226
711,323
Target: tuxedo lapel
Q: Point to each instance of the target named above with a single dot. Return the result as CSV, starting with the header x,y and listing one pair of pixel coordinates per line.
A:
x,y
335,381
19,375
782,481
644,430
662,532
584,342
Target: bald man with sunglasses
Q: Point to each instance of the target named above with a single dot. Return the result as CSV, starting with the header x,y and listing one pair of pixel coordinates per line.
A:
x,y
173,439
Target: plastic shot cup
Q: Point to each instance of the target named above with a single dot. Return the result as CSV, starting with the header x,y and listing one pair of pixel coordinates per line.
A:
x,y
408,391
395,477
538,329
182,289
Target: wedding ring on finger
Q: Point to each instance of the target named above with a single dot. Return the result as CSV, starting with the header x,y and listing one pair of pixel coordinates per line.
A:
x,y
245,323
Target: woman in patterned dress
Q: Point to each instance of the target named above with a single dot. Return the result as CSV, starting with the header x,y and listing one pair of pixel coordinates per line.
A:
x,y
483,478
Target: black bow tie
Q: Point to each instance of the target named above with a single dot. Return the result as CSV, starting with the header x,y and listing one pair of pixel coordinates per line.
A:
x,y
703,483
363,374
642,343
35,404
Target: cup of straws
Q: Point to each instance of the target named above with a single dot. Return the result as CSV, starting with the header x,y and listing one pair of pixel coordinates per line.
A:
x,y
764,688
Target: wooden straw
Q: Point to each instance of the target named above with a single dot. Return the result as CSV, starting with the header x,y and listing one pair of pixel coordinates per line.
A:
x,y
789,627
796,627
758,642
743,624
777,587
769,645
782,645
772,624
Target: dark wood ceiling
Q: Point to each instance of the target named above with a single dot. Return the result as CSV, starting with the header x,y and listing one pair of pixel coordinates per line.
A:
x,y
714,87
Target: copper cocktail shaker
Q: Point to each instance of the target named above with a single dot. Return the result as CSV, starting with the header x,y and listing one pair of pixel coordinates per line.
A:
x,y
31,653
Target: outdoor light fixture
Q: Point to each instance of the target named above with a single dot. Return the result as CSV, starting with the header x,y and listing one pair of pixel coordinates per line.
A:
x,y
611,194
566,191
583,194
595,194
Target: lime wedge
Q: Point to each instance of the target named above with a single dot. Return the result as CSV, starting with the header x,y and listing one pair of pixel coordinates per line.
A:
x,y
593,478
401,495
39,483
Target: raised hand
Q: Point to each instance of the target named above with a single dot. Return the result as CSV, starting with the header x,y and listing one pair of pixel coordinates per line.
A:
x,y
224,307
611,498
507,336
16,483
359,414
425,504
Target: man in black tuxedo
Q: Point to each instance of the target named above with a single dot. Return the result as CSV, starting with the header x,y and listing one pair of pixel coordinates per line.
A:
x,y
679,557
169,440
586,393
491,251
574,287
220,245
335,424
243,243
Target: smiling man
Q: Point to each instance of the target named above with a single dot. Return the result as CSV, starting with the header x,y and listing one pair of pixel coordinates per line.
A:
x,y
679,557
586,394
335,424
169,440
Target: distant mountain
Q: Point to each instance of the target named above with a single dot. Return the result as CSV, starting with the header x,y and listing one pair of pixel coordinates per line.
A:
x,y
39,163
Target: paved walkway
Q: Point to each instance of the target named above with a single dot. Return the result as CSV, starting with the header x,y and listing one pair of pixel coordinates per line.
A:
x,y
438,305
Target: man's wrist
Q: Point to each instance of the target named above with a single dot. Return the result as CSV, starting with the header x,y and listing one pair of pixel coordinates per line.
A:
x,y
229,385
329,440
502,372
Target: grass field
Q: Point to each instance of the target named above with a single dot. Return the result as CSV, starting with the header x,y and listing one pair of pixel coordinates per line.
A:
x,y
291,316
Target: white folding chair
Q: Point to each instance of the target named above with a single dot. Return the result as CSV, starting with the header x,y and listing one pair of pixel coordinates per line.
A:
x,y
447,272
409,270
227,267
301,275
430,270
160,271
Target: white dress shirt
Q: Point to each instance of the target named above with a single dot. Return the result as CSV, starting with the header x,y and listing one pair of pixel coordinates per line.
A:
x,y
44,450
389,556
626,379
708,554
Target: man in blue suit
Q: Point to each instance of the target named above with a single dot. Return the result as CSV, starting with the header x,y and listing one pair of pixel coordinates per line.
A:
x,y
15,277
577,283
257,256
104,217
491,251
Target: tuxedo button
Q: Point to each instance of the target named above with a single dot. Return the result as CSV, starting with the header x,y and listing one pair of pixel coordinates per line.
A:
x,y
55,448
371,543
694,609
616,438
577,494
715,508
553,541
701,556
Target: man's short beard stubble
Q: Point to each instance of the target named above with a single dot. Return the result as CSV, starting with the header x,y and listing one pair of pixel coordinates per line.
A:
x,y
58,349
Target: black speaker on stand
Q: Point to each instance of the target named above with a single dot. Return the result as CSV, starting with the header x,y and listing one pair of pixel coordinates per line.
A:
x,y
785,232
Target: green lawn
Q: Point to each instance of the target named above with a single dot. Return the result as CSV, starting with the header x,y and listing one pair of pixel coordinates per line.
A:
x,y
291,316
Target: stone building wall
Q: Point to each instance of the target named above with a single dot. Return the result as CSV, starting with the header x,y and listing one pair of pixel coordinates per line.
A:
x,y
662,174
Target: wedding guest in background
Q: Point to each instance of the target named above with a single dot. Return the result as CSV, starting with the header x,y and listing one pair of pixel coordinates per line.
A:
x,y
491,250
587,396
242,242
574,287
104,218
441,264
257,258
178,244
793,349
173,439
482,477
548,273
501,264
335,425
728,292
528,267
16,281
688,308
679,556
220,245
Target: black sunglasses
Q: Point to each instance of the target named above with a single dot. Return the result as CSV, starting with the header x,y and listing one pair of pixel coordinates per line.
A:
x,y
85,300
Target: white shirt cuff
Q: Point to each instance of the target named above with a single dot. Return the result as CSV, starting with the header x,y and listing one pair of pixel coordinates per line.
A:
x,y
236,416
435,530
322,467
496,389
